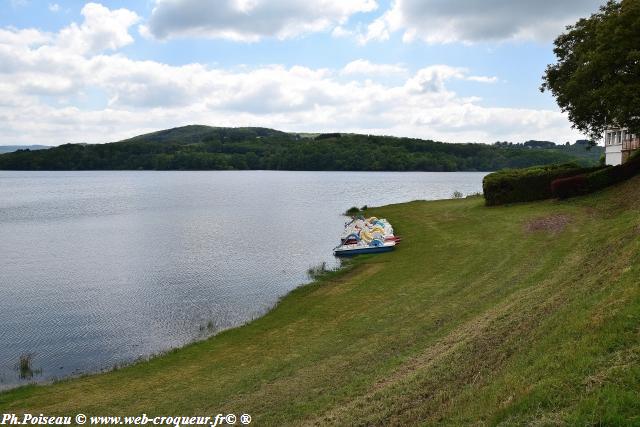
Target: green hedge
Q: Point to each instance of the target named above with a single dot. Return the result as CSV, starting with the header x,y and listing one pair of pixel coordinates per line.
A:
x,y
567,187
590,182
525,185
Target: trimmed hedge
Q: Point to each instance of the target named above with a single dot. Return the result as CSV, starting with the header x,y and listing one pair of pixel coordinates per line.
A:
x,y
526,185
566,187
590,182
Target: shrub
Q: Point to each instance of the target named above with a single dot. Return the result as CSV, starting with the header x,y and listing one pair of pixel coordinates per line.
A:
x,y
563,188
525,185
603,178
596,180
352,211
603,160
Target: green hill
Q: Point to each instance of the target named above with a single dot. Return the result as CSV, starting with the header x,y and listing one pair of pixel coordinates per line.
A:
x,y
526,314
212,148
194,134
12,148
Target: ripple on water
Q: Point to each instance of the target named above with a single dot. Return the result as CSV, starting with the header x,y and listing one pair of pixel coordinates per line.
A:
x,y
100,268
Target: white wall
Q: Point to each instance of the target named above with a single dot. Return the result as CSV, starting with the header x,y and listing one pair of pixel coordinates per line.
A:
x,y
614,155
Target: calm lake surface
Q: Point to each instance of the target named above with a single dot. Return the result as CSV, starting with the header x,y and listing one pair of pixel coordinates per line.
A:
x,y
102,268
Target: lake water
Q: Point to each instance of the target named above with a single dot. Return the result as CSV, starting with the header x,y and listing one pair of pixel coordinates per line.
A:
x,y
101,268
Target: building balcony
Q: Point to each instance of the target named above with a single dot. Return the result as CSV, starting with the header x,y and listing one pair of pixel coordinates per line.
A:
x,y
631,144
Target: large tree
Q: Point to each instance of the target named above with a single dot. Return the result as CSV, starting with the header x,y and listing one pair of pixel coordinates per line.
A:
x,y
597,77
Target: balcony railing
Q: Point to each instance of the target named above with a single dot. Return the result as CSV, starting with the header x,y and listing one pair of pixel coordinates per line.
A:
x,y
630,144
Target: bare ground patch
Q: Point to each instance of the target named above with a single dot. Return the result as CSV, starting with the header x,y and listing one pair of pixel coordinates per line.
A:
x,y
553,224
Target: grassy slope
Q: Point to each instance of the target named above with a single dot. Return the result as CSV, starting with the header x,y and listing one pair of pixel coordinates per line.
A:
x,y
474,318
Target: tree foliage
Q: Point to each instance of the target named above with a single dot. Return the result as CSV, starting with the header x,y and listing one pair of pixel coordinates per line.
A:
x,y
597,77
208,148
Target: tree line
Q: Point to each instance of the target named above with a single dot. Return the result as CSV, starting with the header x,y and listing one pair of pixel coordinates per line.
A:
x,y
204,148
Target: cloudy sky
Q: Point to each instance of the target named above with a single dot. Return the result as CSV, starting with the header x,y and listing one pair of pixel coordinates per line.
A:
x,y
452,70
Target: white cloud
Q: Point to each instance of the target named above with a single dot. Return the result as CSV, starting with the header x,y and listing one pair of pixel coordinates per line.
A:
x,y
365,67
24,37
340,31
45,76
250,20
102,29
483,79
54,7
432,79
380,29
468,21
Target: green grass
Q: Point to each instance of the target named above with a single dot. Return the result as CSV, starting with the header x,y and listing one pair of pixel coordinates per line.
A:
x,y
523,314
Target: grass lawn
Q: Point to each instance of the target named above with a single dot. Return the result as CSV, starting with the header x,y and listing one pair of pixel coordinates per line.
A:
x,y
524,314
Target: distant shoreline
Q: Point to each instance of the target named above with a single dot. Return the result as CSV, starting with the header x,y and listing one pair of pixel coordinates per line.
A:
x,y
210,148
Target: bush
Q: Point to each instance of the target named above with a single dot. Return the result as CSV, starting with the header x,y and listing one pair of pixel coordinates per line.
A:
x,y
563,188
596,180
525,185
352,211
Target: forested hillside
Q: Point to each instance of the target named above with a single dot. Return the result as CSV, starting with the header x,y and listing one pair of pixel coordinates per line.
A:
x,y
211,148
12,148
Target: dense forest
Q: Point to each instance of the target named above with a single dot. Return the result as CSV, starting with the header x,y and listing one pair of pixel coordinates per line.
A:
x,y
211,148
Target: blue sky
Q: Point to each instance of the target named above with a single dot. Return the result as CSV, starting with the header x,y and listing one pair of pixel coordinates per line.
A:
x,y
450,70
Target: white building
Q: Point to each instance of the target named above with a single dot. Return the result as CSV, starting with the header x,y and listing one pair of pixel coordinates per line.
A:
x,y
619,144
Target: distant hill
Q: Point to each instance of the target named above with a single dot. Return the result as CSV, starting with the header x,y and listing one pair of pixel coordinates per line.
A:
x,y
199,147
582,149
12,148
539,144
194,134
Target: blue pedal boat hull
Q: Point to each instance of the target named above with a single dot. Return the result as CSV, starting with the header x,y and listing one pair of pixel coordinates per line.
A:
x,y
362,251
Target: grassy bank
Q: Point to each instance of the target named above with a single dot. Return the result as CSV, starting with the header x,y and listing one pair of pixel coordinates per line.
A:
x,y
518,314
